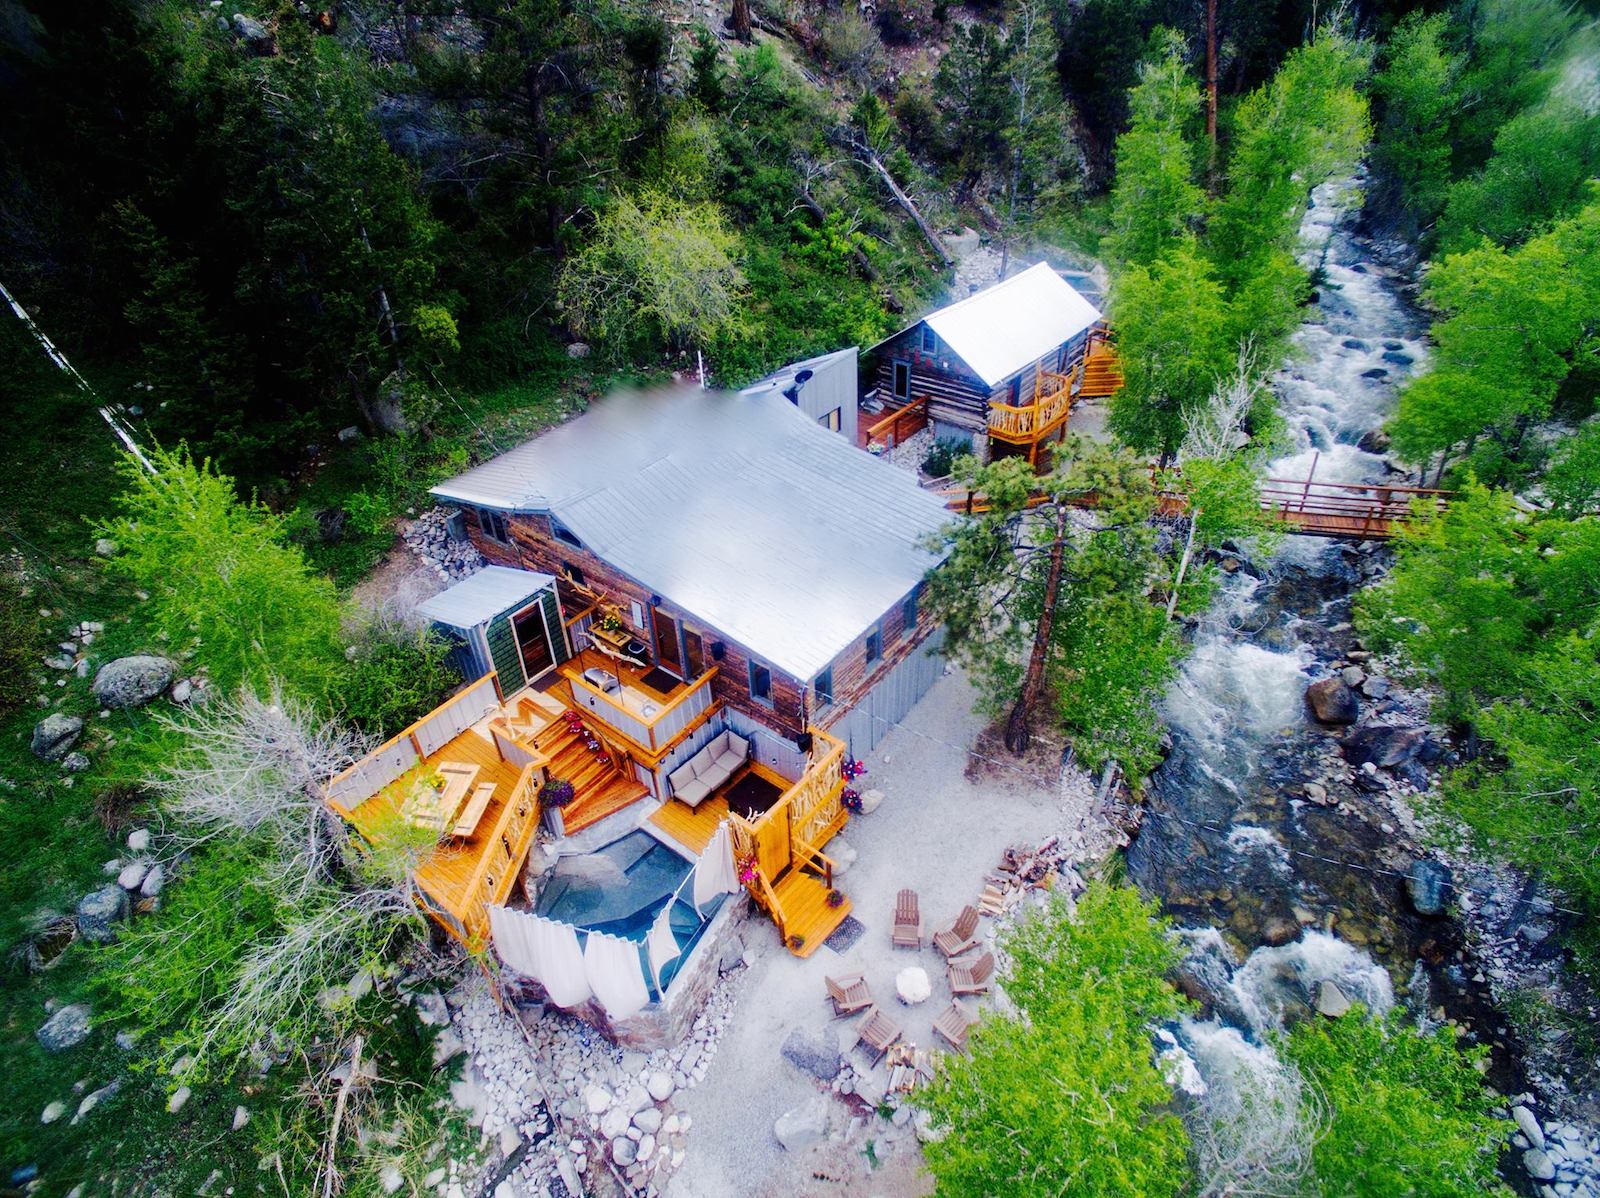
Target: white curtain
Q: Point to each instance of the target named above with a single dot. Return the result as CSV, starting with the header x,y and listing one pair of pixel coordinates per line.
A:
x,y
714,873
612,966
661,945
544,950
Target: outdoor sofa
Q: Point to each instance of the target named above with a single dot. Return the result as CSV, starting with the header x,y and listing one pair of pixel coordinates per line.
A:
x,y
697,779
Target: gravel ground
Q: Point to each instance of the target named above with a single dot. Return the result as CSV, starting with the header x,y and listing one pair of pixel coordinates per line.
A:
x,y
936,832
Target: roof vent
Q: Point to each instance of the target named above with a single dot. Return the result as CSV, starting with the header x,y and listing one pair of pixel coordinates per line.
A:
x,y
792,391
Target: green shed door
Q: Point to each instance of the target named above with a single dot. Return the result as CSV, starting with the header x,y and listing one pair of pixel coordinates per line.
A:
x,y
552,618
509,656
504,653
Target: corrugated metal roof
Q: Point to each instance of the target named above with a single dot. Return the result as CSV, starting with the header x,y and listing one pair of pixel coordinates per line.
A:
x,y
1003,328
779,379
480,597
739,510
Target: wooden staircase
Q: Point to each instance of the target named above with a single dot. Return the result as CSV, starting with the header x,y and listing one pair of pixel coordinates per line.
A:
x,y
1102,371
803,898
602,789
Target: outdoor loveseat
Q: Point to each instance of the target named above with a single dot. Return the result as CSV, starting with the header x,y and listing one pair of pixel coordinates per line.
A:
x,y
698,778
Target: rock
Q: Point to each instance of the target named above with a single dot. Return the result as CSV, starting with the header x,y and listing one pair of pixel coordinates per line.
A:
x,y
1529,1126
1374,441
1397,358
99,910
139,840
179,1098
447,1046
182,691
1278,930
431,1009
659,1086
578,349
803,1126
132,681
54,736
1316,792
257,37
105,547
843,854
1353,675
74,763
614,1123
1375,688
1539,1166
348,434
1426,883
648,1120
813,1054
732,956
624,1151
153,882
1331,1000
390,1178
95,1099
597,1099
53,1112
871,800
1381,746
133,874
1356,343
1332,702
240,1117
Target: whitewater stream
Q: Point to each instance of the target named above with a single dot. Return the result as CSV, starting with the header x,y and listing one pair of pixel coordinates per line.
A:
x,y
1278,893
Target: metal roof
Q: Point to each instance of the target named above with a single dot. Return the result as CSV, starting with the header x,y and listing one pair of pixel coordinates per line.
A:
x,y
480,597
1003,328
739,510
779,379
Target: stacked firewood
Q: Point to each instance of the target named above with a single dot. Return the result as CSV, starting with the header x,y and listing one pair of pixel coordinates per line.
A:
x,y
1023,869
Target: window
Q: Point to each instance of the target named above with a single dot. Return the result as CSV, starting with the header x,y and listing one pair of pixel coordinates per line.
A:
x,y
564,534
574,575
825,687
930,340
875,645
1014,391
493,525
833,421
902,380
760,683
636,612
908,612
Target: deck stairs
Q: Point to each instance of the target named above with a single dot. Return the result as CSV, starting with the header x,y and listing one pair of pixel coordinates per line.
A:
x,y
803,898
602,789
1102,372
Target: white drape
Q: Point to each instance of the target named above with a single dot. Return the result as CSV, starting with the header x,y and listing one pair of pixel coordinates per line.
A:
x,y
661,945
612,966
544,950
714,873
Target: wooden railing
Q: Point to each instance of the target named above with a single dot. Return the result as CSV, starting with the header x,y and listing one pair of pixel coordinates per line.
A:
x,y
1028,422
747,847
651,734
813,805
899,424
495,871
817,858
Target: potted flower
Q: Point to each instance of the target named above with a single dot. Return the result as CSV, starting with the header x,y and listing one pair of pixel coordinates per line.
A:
x,y
797,942
556,792
835,898
851,798
611,623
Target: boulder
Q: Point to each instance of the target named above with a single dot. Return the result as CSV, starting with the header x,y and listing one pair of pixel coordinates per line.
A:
x,y
241,1116
1332,702
871,800
659,1086
624,1151
139,840
67,1028
1375,688
648,1120
1528,1124
1383,746
99,911
578,349
1539,1166
53,1112
54,736
803,1126
1374,441
1353,675
133,874
153,881
257,37
132,681
74,763
105,547
179,1099
1331,1000
817,1055
93,1100
1426,883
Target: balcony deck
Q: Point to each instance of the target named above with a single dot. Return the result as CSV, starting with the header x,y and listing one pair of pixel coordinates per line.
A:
x,y
692,827
646,718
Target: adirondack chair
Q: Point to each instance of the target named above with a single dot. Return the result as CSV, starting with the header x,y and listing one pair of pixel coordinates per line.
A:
x,y
907,931
972,978
953,1024
848,994
960,935
877,1031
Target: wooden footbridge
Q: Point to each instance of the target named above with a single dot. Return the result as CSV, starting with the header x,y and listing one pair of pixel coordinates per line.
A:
x,y
1304,506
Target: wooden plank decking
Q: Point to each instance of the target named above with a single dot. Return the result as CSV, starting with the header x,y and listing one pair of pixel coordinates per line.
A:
x,y
693,827
806,913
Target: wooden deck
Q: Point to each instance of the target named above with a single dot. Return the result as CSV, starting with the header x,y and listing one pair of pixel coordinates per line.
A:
x,y
601,790
448,872
693,827
806,912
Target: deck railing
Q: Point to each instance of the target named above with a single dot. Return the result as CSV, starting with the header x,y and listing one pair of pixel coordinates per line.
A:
x,y
1029,422
495,871
651,733
894,427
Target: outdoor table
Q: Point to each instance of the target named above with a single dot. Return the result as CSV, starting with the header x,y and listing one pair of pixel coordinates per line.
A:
x,y
912,985
436,810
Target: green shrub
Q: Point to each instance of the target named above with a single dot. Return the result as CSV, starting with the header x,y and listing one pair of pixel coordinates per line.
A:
x,y
21,641
939,461
397,677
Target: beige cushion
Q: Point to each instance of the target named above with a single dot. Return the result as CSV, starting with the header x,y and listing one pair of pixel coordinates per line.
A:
x,y
704,762
693,793
681,776
729,761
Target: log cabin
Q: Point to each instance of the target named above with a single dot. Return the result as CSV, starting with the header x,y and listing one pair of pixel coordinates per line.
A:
x,y
700,608
999,369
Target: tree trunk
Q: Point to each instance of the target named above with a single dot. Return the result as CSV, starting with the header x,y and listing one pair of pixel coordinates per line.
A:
x,y
1018,731
900,197
1211,94
739,22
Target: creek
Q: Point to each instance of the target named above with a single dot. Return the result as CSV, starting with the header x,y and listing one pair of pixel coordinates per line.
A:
x,y
1278,892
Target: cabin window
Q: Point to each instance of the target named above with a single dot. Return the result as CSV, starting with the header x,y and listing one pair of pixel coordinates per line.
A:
x,y
636,612
760,683
574,575
908,612
930,340
825,687
564,534
493,525
833,421
902,380
875,645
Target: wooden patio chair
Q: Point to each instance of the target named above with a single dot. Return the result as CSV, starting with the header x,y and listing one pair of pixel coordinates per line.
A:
x,y
960,935
848,994
907,931
877,1031
953,1024
972,978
